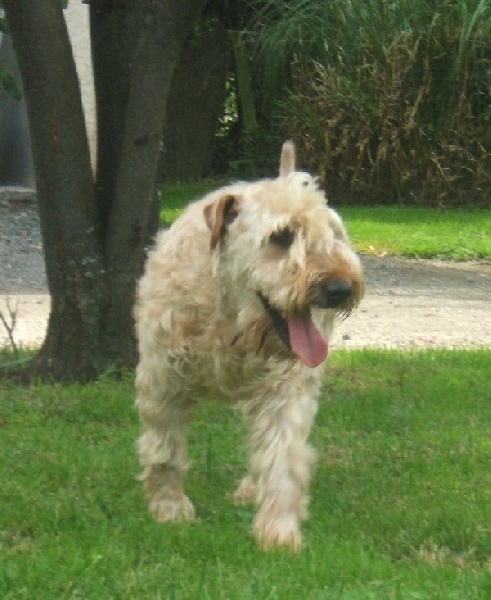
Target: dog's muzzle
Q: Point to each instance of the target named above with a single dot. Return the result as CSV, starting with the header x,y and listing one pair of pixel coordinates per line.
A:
x,y
297,329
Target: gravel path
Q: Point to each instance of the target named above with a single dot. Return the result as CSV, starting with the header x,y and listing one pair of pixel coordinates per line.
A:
x,y
408,303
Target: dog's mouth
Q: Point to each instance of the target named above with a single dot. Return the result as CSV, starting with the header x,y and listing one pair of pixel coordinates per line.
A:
x,y
299,334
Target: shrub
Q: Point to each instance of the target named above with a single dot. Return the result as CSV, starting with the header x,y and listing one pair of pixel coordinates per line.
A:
x,y
396,105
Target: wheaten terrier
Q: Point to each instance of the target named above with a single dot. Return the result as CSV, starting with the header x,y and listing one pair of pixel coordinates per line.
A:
x,y
237,304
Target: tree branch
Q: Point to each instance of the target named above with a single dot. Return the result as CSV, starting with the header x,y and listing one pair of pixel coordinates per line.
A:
x,y
10,324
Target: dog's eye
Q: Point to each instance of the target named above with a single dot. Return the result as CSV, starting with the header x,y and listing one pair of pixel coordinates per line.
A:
x,y
282,238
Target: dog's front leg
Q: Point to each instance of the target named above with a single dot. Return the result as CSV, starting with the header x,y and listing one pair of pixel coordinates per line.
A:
x,y
280,461
162,444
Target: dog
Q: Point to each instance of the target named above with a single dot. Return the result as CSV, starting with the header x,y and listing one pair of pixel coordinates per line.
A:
x,y
237,303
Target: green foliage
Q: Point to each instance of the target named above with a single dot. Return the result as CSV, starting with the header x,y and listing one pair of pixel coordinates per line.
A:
x,y
8,82
390,100
400,499
175,197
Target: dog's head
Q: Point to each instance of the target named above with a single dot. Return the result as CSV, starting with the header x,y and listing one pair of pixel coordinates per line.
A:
x,y
284,260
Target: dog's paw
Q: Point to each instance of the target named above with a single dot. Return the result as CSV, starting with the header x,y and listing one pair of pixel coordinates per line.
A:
x,y
245,492
170,510
281,531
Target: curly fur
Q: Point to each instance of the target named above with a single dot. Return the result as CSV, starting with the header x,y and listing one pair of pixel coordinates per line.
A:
x,y
217,314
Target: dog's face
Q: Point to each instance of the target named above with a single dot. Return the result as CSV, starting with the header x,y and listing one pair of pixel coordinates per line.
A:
x,y
285,260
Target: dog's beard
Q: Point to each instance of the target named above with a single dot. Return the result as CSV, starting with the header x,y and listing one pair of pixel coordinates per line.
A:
x,y
299,334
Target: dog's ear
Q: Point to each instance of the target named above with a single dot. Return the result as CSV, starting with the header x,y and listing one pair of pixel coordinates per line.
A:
x,y
220,215
287,158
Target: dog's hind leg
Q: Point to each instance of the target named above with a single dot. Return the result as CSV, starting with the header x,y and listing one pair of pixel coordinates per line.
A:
x,y
162,444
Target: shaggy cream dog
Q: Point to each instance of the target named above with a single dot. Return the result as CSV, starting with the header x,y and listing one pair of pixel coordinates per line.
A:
x,y
237,304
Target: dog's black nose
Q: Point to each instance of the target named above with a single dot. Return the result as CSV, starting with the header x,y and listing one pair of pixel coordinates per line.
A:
x,y
334,293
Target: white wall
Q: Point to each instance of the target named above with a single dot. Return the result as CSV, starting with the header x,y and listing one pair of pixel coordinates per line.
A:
x,y
77,20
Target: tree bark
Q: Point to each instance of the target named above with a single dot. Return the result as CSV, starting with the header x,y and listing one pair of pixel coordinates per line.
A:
x,y
200,77
114,32
244,87
94,236
132,219
73,254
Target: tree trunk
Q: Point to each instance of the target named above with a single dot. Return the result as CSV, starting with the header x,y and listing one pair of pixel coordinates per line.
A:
x,y
95,241
73,254
244,87
114,32
200,77
132,219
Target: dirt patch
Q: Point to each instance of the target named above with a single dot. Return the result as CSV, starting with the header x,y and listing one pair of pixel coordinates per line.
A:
x,y
413,303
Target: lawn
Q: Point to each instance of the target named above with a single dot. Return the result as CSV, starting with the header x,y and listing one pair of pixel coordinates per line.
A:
x,y
400,502
400,499
420,232
400,231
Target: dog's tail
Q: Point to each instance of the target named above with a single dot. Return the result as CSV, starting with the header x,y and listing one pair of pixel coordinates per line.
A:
x,y
287,159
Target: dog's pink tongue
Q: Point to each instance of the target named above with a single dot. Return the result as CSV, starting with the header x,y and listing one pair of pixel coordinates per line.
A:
x,y
305,339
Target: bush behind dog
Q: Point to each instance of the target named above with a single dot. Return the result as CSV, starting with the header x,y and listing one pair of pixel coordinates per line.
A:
x,y
391,100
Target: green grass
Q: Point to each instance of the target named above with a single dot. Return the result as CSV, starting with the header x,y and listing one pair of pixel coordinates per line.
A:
x,y
410,232
400,500
176,196
420,232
